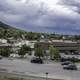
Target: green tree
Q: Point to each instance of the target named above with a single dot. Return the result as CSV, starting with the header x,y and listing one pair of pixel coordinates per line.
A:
x,y
23,50
5,52
54,53
39,52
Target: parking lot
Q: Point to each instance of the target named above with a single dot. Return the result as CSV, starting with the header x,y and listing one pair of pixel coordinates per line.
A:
x,y
54,69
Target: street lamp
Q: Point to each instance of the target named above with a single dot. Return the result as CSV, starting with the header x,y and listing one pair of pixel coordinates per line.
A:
x,y
46,75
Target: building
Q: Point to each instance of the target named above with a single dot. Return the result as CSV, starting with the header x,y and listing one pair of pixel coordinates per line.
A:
x,y
4,41
61,45
5,45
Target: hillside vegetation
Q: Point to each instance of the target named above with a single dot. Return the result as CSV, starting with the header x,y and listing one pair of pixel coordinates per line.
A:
x,y
7,31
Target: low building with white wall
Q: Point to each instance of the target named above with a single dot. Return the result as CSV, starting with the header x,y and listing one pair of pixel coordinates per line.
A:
x,y
4,41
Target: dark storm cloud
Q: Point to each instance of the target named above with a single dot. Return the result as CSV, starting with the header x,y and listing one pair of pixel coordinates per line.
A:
x,y
73,4
39,16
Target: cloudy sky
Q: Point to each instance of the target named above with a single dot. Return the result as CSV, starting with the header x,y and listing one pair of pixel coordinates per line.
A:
x,y
60,16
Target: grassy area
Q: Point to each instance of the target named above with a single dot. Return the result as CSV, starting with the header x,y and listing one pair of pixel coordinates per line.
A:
x,y
17,78
11,78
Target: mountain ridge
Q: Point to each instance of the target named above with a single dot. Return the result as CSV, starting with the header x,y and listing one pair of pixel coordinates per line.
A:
x,y
5,26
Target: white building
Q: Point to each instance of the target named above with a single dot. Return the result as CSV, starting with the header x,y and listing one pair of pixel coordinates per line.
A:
x,y
4,41
27,42
14,55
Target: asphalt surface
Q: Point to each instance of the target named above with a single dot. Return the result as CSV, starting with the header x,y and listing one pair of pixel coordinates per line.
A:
x,y
54,69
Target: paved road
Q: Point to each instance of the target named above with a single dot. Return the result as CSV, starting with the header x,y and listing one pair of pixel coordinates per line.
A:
x,y
55,70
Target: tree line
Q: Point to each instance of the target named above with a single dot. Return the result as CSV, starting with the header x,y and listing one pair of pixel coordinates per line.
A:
x,y
39,52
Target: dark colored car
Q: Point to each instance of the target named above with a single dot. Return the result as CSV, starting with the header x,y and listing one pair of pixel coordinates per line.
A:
x,y
69,59
66,63
36,60
70,67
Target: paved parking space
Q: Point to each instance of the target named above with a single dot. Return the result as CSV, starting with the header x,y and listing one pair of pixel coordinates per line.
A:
x,y
25,67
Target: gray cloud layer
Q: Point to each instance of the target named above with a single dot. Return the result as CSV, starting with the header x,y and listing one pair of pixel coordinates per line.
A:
x,y
62,16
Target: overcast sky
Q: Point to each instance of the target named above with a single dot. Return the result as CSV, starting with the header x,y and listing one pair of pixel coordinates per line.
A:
x,y
60,16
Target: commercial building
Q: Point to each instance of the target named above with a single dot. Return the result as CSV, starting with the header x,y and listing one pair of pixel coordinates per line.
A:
x,y
61,45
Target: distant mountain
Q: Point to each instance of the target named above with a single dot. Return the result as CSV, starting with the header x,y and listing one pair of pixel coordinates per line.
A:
x,y
7,31
5,26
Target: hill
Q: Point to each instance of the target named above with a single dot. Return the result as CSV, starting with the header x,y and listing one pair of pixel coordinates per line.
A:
x,y
7,31
4,26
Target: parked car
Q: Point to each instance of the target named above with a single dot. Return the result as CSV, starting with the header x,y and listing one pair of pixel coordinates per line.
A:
x,y
66,63
73,59
36,60
70,67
